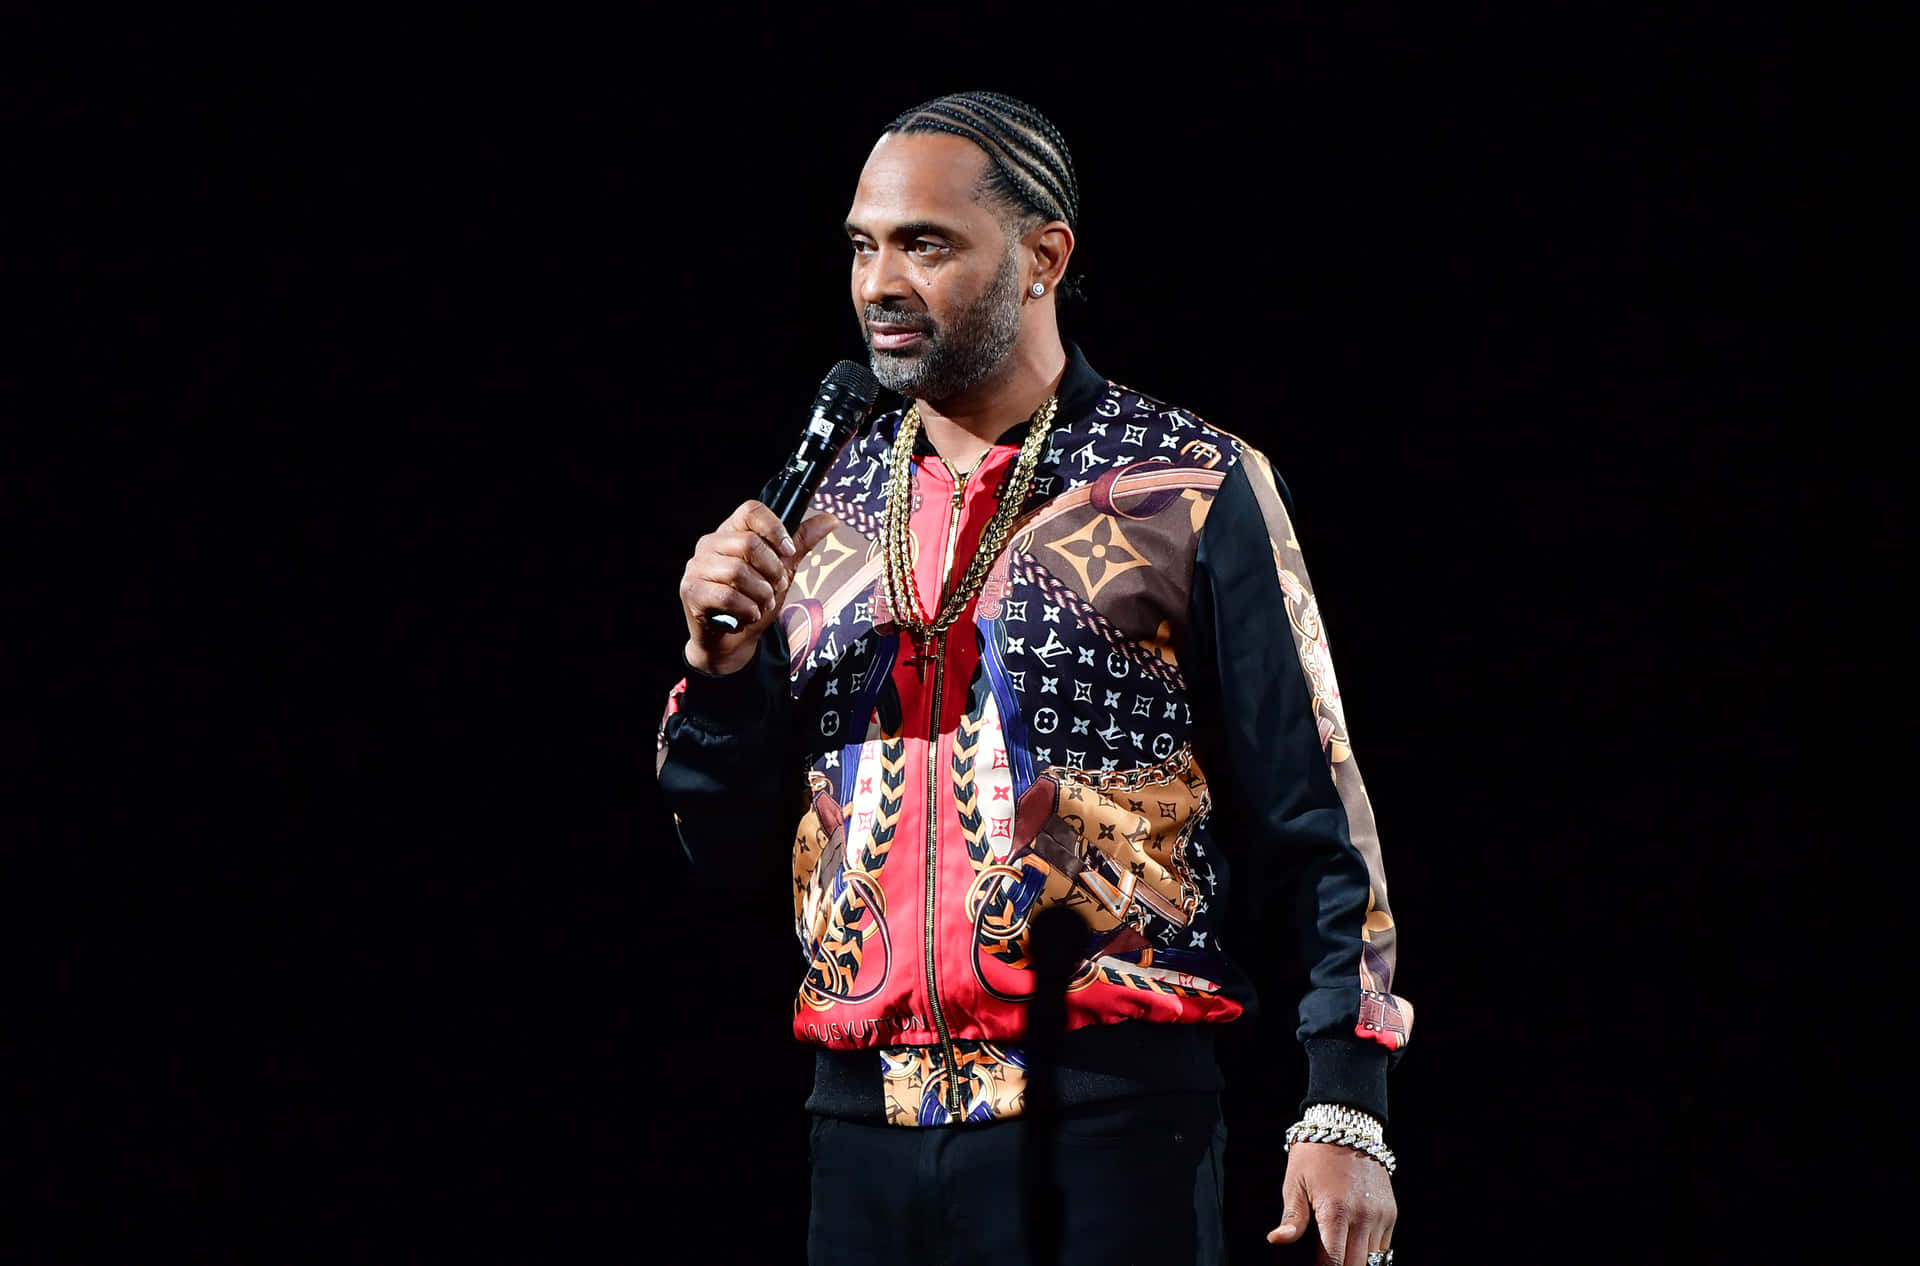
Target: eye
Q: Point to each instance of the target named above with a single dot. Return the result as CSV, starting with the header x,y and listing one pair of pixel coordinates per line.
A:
x,y
926,248
861,246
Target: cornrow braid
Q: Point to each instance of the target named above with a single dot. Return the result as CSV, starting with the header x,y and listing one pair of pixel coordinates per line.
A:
x,y
1030,171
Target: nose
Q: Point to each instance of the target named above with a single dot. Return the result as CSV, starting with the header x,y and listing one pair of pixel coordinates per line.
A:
x,y
880,277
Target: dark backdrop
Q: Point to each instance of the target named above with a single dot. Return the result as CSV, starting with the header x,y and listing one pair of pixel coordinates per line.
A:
x,y
469,333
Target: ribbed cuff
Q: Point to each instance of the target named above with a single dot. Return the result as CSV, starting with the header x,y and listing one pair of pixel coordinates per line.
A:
x,y
725,704
1349,1072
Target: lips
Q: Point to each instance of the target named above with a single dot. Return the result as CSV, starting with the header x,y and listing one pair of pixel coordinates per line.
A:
x,y
896,335
893,338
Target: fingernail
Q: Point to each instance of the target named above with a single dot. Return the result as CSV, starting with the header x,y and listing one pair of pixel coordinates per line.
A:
x,y
786,543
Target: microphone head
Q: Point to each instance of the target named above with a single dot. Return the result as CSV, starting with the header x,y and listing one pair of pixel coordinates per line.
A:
x,y
839,407
854,378
842,402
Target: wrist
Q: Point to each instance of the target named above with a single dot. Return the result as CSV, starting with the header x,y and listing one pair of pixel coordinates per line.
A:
x,y
1340,1126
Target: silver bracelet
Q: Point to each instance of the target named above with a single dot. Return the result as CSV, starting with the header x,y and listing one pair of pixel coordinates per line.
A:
x,y
1343,1127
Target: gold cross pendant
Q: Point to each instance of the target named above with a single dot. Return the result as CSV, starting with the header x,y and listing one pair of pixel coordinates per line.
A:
x,y
920,661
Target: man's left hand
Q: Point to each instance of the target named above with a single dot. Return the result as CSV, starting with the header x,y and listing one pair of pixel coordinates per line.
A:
x,y
1350,1195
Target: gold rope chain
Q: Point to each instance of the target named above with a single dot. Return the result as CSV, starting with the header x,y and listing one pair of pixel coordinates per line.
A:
x,y
902,595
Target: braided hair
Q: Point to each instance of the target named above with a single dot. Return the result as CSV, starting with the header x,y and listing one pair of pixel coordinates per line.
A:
x,y
1029,177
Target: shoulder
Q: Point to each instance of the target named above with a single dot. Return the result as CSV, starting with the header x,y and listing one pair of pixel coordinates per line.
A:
x,y
1125,426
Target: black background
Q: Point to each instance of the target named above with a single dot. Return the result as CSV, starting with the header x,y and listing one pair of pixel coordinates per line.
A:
x,y
423,353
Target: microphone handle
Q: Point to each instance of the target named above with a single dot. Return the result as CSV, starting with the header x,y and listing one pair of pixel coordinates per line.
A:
x,y
789,493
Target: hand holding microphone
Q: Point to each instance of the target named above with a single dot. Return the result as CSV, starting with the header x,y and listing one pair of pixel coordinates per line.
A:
x,y
738,576
741,571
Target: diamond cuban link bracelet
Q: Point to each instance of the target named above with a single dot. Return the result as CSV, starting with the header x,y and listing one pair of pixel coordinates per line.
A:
x,y
1344,1127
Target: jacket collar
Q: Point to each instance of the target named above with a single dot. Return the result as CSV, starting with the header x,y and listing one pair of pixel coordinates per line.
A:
x,y
1080,389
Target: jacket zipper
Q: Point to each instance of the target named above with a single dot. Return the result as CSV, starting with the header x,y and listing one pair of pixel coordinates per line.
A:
x,y
955,1104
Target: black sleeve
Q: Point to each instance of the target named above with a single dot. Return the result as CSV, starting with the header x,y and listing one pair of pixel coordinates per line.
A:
x,y
727,767
1295,822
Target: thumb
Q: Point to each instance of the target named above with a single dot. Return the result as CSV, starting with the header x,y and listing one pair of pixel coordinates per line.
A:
x,y
809,534
1298,1212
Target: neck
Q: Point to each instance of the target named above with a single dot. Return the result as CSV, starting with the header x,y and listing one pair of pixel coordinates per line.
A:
x,y
963,428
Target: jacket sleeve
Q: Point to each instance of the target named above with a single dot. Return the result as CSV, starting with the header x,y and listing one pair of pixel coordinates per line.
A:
x,y
727,767
1300,834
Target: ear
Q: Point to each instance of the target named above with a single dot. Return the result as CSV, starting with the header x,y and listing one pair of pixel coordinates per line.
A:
x,y
1049,246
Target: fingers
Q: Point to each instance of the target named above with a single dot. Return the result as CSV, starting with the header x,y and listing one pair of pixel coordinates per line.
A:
x,y
730,571
750,548
1351,1230
705,597
754,517
1380,1238
1297,1211
810,533
1337,1229
1360,1237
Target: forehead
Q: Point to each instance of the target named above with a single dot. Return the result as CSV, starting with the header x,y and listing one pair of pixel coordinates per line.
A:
x,y
919,177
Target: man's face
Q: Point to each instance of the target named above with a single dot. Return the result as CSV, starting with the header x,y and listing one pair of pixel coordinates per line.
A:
x,y
936,282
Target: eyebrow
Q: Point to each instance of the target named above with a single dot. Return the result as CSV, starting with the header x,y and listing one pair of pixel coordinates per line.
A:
x,y
913,228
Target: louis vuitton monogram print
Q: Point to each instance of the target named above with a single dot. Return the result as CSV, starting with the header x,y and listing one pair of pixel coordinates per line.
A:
x,y
1070,777
1046,756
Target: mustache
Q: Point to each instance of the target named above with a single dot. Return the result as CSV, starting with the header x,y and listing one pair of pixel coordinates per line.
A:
x,y
919,321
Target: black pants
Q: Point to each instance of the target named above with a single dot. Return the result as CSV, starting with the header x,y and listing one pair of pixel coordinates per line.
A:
x,y
1133,1181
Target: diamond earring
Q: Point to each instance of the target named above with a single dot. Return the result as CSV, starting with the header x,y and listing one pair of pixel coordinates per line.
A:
x,y
1038,290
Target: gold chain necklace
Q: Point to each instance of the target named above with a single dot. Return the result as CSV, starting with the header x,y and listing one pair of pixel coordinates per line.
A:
x,y
902,595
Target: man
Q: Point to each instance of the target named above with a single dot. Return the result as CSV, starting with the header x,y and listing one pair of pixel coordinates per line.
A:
x,y
1044,643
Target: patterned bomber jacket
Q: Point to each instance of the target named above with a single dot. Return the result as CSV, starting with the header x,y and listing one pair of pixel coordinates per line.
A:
x,y
1138,705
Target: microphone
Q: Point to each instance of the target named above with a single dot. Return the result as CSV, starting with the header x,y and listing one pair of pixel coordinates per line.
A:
x,y
842,403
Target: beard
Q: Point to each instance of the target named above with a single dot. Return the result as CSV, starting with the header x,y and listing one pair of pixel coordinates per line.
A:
x,y
958,358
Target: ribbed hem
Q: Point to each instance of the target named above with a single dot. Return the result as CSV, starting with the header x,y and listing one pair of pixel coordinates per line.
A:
x,y
1349,1072
1097,1063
